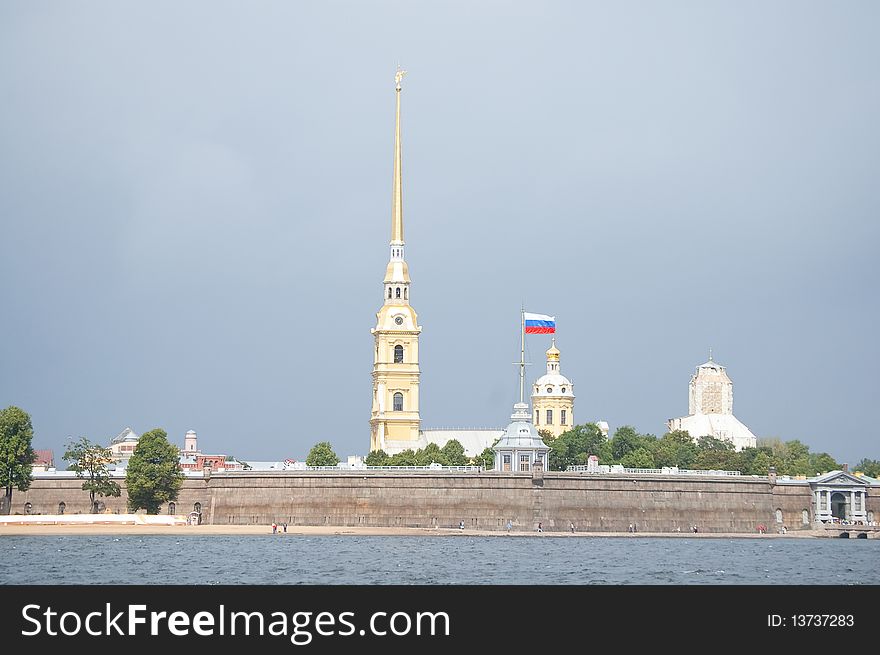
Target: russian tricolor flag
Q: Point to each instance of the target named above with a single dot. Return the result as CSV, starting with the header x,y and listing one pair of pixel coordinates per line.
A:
x,y
539,323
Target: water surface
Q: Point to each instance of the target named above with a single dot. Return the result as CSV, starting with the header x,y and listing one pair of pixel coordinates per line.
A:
x,y
299,559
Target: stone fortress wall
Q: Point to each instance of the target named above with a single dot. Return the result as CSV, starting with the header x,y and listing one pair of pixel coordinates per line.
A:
x,y
484,500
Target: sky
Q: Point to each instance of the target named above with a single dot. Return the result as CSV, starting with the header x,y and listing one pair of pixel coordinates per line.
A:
x,y
195,204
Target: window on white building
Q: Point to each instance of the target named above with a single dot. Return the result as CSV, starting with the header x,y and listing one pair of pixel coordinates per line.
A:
x,y
524,462
398,354
562,417
549,417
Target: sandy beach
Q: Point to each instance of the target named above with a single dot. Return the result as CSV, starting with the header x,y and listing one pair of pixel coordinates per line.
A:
x,y
363,531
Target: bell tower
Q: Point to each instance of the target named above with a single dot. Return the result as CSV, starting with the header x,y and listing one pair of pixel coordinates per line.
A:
x,y
394,419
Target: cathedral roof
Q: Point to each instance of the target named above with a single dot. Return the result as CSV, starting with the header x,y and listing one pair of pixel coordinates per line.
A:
x,y
722,426
556,380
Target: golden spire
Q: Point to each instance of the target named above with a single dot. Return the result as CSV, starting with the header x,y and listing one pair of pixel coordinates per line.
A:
x,y
397,185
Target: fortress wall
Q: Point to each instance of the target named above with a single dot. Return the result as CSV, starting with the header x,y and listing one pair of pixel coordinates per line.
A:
x,y
45,494
484,501
658,503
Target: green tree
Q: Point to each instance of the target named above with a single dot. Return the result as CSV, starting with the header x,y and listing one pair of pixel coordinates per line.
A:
x,y
605,454
453,451
870,467
822,463
755,461
406,457
795,459
486,459
546,436
625,440
640,458
675,448
377,458
431,454
322,454
153,476
89,460
715,454
574,446
789,457
16,453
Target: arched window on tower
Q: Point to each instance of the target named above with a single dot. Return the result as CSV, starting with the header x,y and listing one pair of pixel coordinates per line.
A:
x,y
404,293
398,354
397,293
389,293
398,402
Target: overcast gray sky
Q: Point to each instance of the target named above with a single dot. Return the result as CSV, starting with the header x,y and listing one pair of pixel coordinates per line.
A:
x,y
195,202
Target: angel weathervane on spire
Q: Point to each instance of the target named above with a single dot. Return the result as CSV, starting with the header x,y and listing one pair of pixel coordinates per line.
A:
x,y
399,76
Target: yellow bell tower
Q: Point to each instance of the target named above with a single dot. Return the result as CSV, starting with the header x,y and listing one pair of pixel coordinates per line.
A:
x,y
394,420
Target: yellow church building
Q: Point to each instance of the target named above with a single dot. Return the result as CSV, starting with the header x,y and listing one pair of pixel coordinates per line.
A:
x,y
553,397
394,419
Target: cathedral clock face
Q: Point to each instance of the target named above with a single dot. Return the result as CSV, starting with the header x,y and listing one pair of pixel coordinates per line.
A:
x,y
398,320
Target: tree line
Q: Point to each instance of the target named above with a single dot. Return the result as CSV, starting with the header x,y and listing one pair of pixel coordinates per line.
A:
x,y
631,449
154,477
451,454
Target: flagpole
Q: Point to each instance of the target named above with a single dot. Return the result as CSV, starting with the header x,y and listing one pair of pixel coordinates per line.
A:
x,y
522,351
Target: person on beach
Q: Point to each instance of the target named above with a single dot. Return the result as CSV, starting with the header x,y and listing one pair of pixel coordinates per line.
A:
x,y
571,527
509,526
540,527
461,525
274,528
284,525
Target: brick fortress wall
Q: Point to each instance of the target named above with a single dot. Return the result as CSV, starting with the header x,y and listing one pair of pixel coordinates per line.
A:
x,y
484,501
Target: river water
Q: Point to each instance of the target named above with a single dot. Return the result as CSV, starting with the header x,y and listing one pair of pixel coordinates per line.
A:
x,y
299,559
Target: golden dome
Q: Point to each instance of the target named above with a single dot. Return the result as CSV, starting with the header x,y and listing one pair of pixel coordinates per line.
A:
x,y
553,353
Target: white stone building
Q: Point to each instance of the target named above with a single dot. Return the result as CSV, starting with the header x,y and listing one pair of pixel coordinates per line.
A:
x,y
710,408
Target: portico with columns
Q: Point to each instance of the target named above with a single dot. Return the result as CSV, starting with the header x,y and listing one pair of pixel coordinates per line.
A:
x,y
841,496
